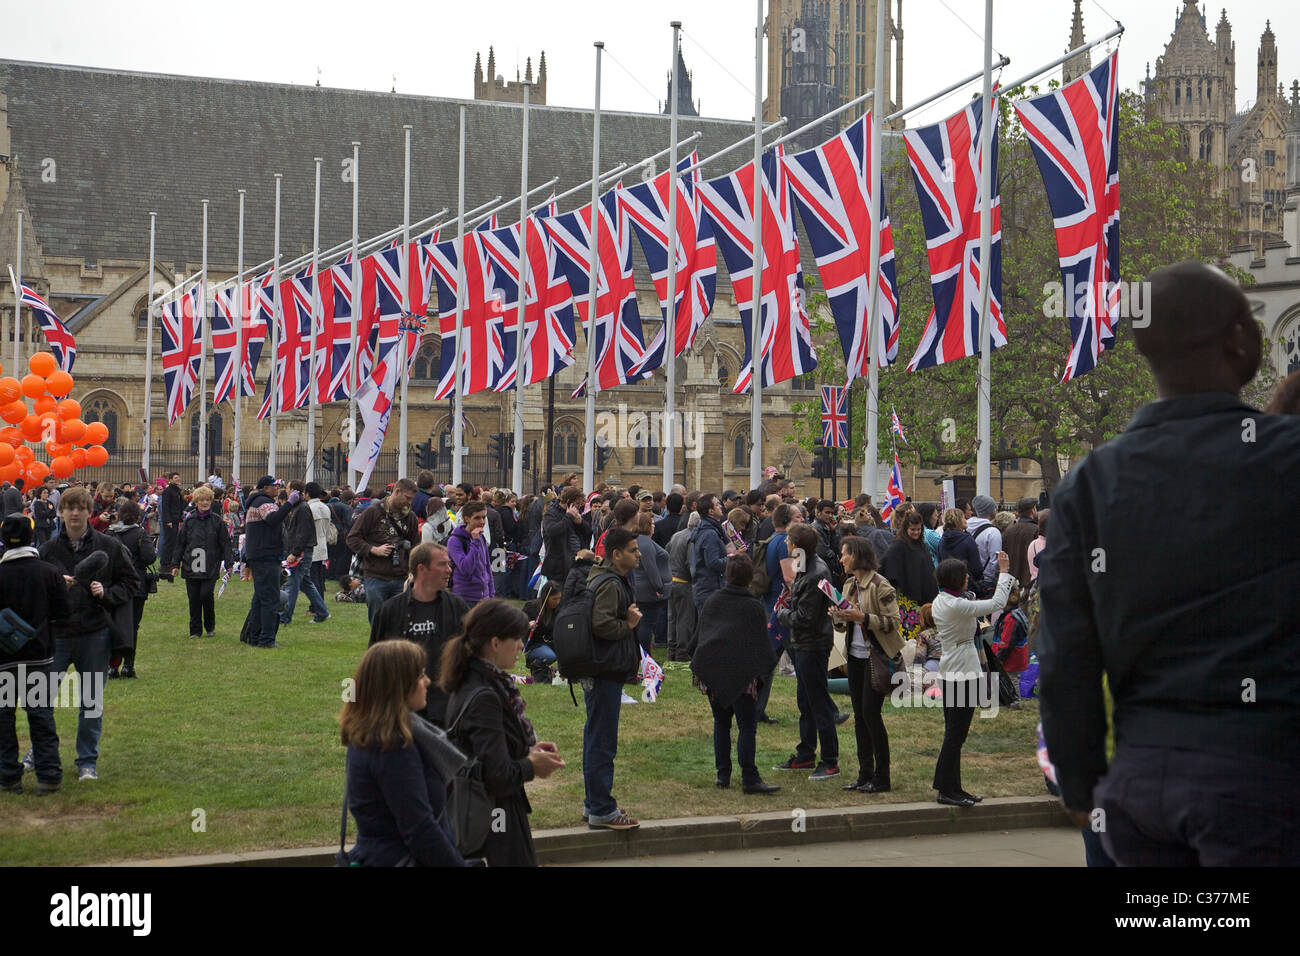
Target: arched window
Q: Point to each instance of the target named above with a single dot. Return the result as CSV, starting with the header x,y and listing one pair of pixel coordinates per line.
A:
x,y
726,374
1289,346
427,367
141,313
564,445
740,450
214,435
101,408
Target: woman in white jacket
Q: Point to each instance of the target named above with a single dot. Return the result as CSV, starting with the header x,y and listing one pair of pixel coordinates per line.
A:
x,y
956,617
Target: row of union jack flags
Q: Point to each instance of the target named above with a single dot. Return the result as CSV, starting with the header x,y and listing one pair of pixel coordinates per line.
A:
x,y
1073,132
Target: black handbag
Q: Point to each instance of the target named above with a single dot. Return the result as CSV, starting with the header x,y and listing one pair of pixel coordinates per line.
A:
x,y
469,807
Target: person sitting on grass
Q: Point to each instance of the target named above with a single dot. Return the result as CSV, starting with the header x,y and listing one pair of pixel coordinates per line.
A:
x,y
538,653
394,792
351,590
203,546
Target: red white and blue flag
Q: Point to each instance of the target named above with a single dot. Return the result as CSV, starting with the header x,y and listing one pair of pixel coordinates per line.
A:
x,y
831,189
375,402
233,304
62,344
334,332
646,207
785,349
618,344
894,493
896,426
1074,132
292,345
182,350
945,161
835,416
482,342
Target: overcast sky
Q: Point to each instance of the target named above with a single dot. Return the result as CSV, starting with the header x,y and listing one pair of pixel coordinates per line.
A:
x,y
430,46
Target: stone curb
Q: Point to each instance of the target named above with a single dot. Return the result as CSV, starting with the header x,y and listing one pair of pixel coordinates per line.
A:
x,y
702,834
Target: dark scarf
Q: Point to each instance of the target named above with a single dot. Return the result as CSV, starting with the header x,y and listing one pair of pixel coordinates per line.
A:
x,y
516,699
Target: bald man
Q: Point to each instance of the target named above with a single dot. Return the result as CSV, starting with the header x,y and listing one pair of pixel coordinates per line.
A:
x,y
1160,574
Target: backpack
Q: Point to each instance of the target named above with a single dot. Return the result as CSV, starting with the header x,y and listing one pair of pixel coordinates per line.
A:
x,y
762,581
575,645
982,591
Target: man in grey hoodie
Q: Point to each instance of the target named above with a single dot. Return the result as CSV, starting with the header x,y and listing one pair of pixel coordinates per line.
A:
x,y
989,541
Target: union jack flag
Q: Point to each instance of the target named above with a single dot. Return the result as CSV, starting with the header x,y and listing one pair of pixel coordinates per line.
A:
x,y
484,358
334,332
785,350
293,345
491,222
62,344
550,210
182,349
375,402
945,160
549,332
835,416
618,343
896,426
894,494
646,206
834,199
1074,133
381,303
233,304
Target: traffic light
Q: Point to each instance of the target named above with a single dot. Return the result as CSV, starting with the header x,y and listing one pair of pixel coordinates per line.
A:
x,y
821,463
496,442
327,459
527,458
602,456
425,456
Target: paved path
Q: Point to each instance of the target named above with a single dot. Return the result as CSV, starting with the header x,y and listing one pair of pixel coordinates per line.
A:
x,y
1046,847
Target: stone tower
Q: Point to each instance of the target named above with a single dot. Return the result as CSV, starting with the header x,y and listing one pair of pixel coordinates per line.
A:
x,y
494,87
685,105
1266,65
1076,66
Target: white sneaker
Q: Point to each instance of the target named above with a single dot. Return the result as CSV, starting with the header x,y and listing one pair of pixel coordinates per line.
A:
x,y
88,773
629,700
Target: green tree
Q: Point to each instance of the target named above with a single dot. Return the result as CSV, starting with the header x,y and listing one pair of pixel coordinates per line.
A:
x,y
1168,214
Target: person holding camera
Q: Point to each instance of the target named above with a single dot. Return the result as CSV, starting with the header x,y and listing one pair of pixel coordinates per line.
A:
x,y
382,537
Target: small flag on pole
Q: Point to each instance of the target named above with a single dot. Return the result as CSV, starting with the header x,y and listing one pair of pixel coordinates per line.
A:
x,y
897,427
835,419
62,344
895,492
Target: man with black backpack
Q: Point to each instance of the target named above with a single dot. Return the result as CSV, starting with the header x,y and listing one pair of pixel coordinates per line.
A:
x,y
989,541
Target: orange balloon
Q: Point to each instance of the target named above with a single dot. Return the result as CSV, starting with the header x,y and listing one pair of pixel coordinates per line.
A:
x,y
59,383
11,472
11,436
24,454
31,428
57,449
6,454
96,434
38,470
69,408
62,467
73,430
33,386
14,412
46,403
10,390
42,364
78,456
96,456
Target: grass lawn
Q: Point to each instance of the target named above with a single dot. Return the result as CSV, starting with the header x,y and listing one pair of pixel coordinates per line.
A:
x,y
245,742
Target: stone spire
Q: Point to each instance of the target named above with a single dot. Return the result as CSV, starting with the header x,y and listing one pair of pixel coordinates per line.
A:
x,y
685,103
1266,85
1076,66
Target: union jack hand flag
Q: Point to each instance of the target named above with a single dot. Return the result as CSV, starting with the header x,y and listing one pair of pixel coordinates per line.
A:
x,y
945,160
182,350
484,358
896,426
646,206
62,344
834,199
835,416
894,494
1074,133
785,351
618,343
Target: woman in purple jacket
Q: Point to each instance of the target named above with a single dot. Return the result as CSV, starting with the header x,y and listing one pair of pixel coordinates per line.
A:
x,y
471,577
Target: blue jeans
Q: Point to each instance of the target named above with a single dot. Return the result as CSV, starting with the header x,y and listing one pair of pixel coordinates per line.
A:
x,y
89,654
40,723
816,711
266,601
377,592
300,579
168,539
545,654
599,746
653,629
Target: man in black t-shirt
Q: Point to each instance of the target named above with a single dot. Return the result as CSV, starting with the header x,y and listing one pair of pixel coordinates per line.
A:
x,y
427,612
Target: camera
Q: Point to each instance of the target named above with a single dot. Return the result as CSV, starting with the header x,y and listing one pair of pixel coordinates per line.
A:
x,y
400,547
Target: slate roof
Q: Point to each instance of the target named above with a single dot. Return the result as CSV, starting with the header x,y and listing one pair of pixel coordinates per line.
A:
x,y
126,144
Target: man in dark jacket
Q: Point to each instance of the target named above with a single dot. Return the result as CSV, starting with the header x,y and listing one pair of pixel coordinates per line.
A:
x,y
299,543
828,545
1017,539
82,637
34,590
1192,623
810,645
382,537
263,552
564,533
667,525
171,507
709,549
11,501
428,614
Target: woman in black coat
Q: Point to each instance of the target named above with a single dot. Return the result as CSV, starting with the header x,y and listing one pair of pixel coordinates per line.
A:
x,y
203,545
485,716
907,566
140,547
733,658
43,515
958,543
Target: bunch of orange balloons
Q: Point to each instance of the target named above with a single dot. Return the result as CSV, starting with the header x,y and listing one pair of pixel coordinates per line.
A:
x,y
53,420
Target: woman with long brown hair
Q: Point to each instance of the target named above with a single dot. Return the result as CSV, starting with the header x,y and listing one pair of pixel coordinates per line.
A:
x,y
396,795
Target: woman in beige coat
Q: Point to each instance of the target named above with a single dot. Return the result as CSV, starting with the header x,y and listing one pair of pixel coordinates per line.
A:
x,y
874,631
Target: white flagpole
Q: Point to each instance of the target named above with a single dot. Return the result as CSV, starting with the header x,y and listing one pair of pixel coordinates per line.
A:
x,y
241,345
667,436
148,349
458,394
275,327
351,427
517,470
18,303
403,453
983,464
589,440
871,460
756,301
310,474
203,355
